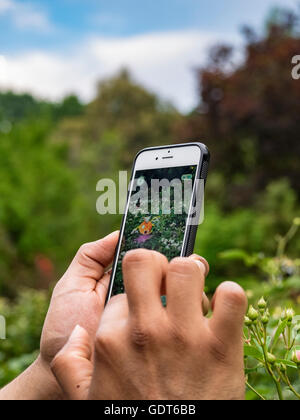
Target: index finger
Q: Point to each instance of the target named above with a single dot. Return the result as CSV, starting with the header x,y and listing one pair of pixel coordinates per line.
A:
x,y
143,273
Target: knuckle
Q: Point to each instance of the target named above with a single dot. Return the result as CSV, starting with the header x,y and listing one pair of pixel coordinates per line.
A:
x,y
140,337
85,258
84,249
179,338
142,333
218,350
83,254
182,338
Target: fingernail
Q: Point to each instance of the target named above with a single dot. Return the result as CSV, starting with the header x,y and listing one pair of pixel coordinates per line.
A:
x,y
201,262
76,332
200,265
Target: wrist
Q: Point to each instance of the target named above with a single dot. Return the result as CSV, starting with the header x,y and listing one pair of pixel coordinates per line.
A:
x,y
36,383
41,372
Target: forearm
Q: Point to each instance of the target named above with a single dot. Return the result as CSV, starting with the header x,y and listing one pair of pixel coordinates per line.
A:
x,y
36,383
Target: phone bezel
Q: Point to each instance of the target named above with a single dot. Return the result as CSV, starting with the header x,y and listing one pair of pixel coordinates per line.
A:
x,y
167,158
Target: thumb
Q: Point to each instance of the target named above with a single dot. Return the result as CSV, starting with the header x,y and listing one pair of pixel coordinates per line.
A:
x,y
91,261
73,367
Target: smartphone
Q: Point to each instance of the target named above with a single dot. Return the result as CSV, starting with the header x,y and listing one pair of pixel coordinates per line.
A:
x,y
164,204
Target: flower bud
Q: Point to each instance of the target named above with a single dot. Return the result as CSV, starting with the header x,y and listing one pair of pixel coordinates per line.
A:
x,y
262,304
283,315
248,322
252,314
297,221
296,357
271,358
265,319
290,315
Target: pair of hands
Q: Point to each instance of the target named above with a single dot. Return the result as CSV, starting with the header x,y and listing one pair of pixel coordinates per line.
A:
x,y
142,350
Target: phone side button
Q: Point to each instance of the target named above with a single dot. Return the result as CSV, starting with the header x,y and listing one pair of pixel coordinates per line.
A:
x,y
204,171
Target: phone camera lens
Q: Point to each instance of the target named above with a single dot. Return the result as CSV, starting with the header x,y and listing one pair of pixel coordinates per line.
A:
x,y
156,158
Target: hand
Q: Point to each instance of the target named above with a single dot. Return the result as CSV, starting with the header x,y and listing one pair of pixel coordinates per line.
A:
x,y
181,354
78,298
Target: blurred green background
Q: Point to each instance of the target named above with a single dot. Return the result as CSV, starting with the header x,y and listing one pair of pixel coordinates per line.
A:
x,y
53,154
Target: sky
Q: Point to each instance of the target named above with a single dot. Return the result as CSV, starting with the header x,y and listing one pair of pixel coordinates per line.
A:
x,y
52,48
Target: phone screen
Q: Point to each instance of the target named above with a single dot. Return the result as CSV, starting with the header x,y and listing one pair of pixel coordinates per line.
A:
x,y
157,214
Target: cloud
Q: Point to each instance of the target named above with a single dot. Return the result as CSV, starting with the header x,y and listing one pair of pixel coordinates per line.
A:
x,y
5,5
163,62
25,16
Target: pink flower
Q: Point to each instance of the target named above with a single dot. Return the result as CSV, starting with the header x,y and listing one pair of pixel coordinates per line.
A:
x,y
298,354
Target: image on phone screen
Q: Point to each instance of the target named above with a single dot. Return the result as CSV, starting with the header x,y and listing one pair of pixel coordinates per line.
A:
x,y
161,232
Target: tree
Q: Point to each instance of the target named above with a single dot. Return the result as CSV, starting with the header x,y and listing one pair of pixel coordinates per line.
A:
x,y
134,116
249,114
41,209
15,108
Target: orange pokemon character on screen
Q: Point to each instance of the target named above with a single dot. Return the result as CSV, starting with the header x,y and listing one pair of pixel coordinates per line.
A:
x,y
146,227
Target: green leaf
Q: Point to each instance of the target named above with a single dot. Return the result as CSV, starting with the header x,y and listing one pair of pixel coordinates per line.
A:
x,y
287,363
237,255
234,254
252,370
257,345
282,326
269,339
253,352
